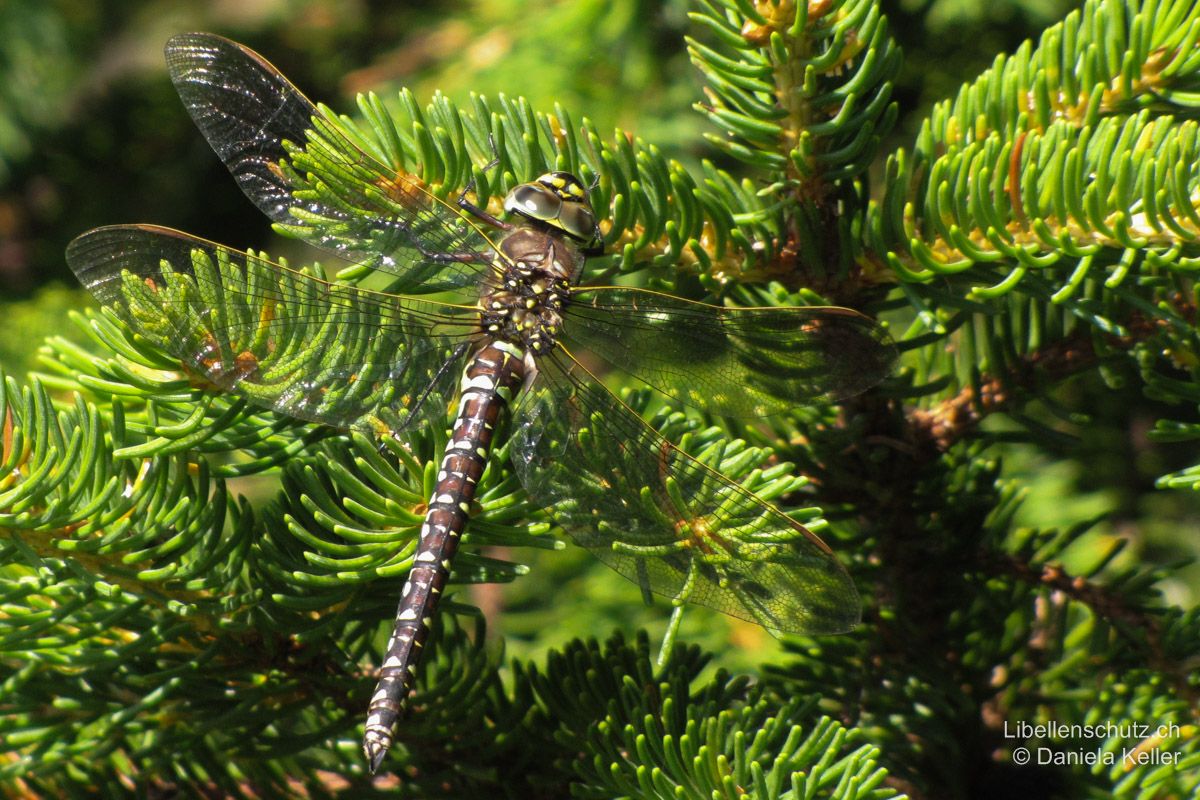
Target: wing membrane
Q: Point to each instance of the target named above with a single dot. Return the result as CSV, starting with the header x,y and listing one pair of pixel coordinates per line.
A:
x,y
665,520
299,168
742,362
307,348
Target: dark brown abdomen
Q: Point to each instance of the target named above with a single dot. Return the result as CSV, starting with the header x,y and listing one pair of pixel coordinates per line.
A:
x,y
489,383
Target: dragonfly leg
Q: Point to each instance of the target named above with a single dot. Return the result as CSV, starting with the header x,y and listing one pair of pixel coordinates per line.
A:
x,y
475,210
482,215
470,187
488,385
458,258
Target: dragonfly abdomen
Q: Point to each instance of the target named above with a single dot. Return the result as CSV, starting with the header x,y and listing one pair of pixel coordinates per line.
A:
x,y
488,384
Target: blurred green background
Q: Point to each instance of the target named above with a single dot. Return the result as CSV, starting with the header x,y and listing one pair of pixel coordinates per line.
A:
x,y
91,133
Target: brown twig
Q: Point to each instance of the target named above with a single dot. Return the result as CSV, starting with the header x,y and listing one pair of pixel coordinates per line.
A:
x,y
952,420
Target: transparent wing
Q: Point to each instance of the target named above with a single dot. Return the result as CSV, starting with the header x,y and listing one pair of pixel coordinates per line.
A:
x,y
279,337
667,521
742,362
303,172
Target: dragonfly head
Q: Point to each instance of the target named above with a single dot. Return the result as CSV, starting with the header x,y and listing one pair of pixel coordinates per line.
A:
x,y
557,200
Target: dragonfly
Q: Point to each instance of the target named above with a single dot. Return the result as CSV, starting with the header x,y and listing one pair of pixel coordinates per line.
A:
x,y
490,311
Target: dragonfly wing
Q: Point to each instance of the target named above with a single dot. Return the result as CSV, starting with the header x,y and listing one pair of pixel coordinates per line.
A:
x,y
742,362
279,337
665,520
298,166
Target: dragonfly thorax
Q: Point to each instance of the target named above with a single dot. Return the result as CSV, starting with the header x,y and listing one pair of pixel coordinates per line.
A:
x,y
524,305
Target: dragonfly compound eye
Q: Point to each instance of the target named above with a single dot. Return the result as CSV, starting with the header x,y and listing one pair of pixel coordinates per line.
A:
x,y
534,201
556,199
578,221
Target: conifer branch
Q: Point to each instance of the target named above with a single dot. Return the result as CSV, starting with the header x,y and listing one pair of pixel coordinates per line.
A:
x,y
940,427
1044,223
